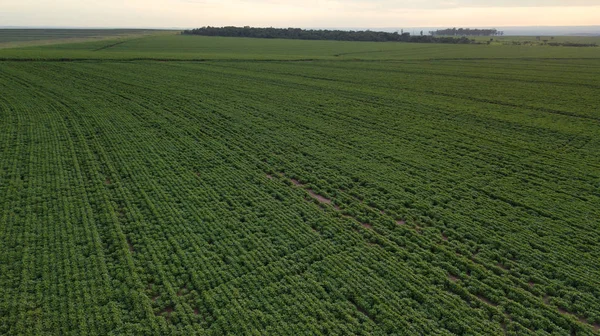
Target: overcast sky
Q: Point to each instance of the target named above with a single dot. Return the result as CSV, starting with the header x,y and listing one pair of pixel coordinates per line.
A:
x,y
299,13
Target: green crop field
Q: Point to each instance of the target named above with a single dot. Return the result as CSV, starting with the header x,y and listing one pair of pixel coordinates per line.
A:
x,y
185,185
167,46
538,39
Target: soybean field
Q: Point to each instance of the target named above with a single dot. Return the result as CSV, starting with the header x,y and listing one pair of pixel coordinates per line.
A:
x,y
183,185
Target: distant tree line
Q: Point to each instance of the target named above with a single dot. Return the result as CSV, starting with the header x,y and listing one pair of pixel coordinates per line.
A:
x,y
466,32
310,34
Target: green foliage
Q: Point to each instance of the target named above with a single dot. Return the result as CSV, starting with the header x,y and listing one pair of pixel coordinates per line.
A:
x,y
321,34
333,196
466,32
201,48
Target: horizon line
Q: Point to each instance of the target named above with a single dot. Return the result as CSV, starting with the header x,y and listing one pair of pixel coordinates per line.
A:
x,y
305,27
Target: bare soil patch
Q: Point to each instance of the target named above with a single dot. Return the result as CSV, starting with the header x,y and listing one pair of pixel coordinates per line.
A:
x,y
400,222
502,266
131,249
546,299
362,311
168,310
196,311
366,225
453,278
270,177
319,198
444,237
181,290
107,181
531,283
583,320
486,300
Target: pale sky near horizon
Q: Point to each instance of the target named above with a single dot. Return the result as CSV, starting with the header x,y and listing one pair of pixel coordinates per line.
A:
x,y
292,13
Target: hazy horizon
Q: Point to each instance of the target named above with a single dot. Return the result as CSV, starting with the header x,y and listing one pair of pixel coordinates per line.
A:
x,y
314,13
593,30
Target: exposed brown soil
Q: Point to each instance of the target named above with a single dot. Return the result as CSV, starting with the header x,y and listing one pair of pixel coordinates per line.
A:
x,y
368,226
168,310
502,266
486,300
180,291
452,278
583,320
362,310
107,181
131,249
270,177
382,212
444,237
196,311
400,222
319,198
546,299
531,283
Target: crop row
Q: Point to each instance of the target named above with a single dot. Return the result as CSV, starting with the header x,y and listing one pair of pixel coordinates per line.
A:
x,y
159,198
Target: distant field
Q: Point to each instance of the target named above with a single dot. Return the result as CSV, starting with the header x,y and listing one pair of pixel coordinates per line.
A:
x,y
542,39
28,37
183,185
169,46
